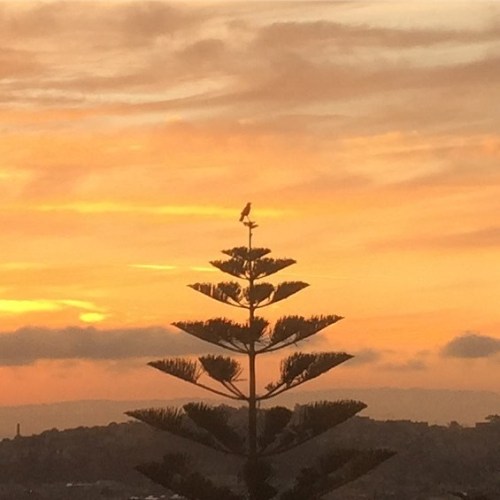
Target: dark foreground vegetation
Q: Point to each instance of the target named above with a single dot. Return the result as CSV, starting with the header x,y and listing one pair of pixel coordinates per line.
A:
x,y
432,462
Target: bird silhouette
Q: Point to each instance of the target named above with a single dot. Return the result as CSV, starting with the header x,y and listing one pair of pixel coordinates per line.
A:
x,y
246,211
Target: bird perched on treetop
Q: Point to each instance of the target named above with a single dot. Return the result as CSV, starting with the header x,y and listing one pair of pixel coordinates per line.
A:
x,y
246,211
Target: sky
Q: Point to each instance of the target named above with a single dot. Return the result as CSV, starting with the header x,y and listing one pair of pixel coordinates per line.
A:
x,y
365,134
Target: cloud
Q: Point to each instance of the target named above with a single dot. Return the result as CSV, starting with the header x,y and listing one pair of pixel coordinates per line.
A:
x,y
365,356
126,63
206,55
483,238
17,63
298,79
28,345
270,62
145,21
129,23
347,37
409,365
472,345
460,168
35,21
115,47
373,356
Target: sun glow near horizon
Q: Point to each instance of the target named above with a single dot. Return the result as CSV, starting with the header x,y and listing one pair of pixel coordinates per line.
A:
x,y
134,132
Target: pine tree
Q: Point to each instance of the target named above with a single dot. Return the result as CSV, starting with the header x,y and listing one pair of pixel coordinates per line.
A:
x,y
269,432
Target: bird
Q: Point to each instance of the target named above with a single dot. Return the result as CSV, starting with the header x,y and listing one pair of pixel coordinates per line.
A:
x,y
246,211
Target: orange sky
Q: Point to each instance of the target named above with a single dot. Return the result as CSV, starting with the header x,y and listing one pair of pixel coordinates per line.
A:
x,y
132,133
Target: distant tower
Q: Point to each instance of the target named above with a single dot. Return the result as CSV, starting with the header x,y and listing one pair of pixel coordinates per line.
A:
x,y
18,430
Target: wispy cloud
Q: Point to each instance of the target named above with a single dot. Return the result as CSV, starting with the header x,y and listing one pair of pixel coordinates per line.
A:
x,y
352,36
405,366
117,24
365,356
388,360
155,49
486,237
174,210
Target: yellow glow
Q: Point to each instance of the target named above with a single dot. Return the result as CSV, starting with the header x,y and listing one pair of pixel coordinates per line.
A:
x,y
204,269
154,267
92,317
26,306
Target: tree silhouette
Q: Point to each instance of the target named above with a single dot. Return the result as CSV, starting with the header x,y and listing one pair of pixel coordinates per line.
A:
x,y
269,432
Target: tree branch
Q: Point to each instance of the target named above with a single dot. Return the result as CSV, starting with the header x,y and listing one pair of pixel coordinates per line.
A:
x,y
276,347
219,393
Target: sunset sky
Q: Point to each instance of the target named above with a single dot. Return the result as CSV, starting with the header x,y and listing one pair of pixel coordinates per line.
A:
x,y
365,134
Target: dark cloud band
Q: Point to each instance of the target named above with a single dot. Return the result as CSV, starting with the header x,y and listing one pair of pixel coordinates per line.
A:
x,y
472,345
28,345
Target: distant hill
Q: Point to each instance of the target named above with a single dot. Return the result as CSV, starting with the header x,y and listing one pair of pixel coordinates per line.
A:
x,y
423,405
433,406
92,463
